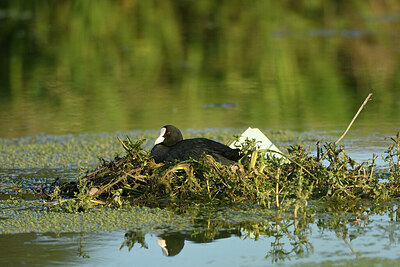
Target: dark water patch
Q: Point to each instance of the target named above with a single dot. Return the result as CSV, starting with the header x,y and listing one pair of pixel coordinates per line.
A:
x,y
29,183
15,15
37,174
221,105
389,17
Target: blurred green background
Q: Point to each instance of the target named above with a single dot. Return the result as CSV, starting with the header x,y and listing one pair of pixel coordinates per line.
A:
x,y
105,65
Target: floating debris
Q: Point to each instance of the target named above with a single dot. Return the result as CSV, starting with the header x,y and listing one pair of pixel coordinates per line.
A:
x,y
261,142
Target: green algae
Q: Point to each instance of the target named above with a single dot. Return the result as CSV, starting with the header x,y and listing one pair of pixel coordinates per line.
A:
x,y
15,217
98,220
55,151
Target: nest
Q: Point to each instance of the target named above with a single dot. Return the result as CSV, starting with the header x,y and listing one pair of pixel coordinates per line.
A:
x,y
136,179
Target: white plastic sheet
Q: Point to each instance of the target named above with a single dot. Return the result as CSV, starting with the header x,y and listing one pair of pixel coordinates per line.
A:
x,y
262,142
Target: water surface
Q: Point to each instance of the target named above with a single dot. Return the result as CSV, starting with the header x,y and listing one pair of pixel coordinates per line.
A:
x,y
77,67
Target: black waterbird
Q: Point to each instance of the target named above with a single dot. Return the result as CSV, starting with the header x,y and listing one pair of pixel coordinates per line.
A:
x,y
170,146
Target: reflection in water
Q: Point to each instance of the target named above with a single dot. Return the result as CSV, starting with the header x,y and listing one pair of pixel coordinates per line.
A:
x,y
287,238
171,244
49,249
245,236
174,62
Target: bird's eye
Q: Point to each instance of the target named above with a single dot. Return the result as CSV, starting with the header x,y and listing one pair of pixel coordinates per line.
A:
x,y
168,132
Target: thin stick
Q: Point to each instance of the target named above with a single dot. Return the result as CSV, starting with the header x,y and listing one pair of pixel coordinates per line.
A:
x,y
277,188
355,116
348,127
123,144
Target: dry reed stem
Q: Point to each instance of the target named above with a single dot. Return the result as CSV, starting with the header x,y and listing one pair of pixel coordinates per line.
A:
x,y
350,124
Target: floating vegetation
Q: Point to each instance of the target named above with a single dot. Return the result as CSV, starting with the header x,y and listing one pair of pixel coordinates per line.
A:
x,y
26,220
290,182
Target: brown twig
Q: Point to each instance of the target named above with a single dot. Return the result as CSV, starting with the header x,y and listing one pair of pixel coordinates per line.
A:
x,y
123,144
108,186
350,124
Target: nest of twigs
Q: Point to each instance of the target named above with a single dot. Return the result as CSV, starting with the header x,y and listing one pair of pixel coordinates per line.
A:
x,y
136,179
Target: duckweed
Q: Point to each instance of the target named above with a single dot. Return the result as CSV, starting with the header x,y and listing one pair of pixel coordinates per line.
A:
x,y
97,220
59,151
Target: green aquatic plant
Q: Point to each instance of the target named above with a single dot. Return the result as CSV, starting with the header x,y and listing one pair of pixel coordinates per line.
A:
x,y
391,188
393,159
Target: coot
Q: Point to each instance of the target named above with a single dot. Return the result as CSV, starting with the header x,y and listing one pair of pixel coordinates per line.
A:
x,y
170,147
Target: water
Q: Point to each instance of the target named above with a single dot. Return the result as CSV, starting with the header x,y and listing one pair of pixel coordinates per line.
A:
x,y
76,74
196,66
256,240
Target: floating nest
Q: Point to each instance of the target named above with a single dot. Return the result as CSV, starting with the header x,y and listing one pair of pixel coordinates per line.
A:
x,y
136,179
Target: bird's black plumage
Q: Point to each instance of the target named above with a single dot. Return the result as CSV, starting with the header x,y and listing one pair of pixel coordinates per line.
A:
x,y
170,146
